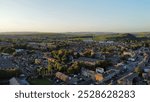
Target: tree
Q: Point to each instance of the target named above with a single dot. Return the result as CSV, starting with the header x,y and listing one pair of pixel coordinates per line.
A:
x,y
74,68
64,58
58,66
6,74
37,61
60,52
39,70
42,71
138,70
88,53
50,67
9,50
104,64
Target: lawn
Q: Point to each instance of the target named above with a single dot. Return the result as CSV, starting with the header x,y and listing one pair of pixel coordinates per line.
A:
x,y
40,82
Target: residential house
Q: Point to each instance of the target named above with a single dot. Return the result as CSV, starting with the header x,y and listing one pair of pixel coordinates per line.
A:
x,y
99,70
88,73
129,53
99,77
62,76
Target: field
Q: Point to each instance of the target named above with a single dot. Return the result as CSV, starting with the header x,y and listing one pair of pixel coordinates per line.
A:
x,y
40,82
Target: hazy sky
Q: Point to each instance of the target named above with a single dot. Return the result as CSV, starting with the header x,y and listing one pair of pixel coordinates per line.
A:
x,y
75,15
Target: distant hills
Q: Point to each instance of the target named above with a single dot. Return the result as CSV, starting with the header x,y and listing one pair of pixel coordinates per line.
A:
x,y
17,33
84,35
97,36
72,33
95,33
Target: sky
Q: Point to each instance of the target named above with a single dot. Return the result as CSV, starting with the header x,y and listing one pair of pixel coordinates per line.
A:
x,y
75,15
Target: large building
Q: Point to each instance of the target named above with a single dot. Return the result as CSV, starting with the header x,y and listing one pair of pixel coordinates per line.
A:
x,y
62,76
18,81
106,76
128,79
89,61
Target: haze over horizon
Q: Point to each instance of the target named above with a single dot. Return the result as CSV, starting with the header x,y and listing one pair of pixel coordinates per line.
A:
x,y
75,15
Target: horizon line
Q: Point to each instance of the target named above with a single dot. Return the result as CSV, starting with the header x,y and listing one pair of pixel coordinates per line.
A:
x,y
74,32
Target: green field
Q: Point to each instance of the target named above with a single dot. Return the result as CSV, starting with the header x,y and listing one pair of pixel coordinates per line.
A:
x,y
40,82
